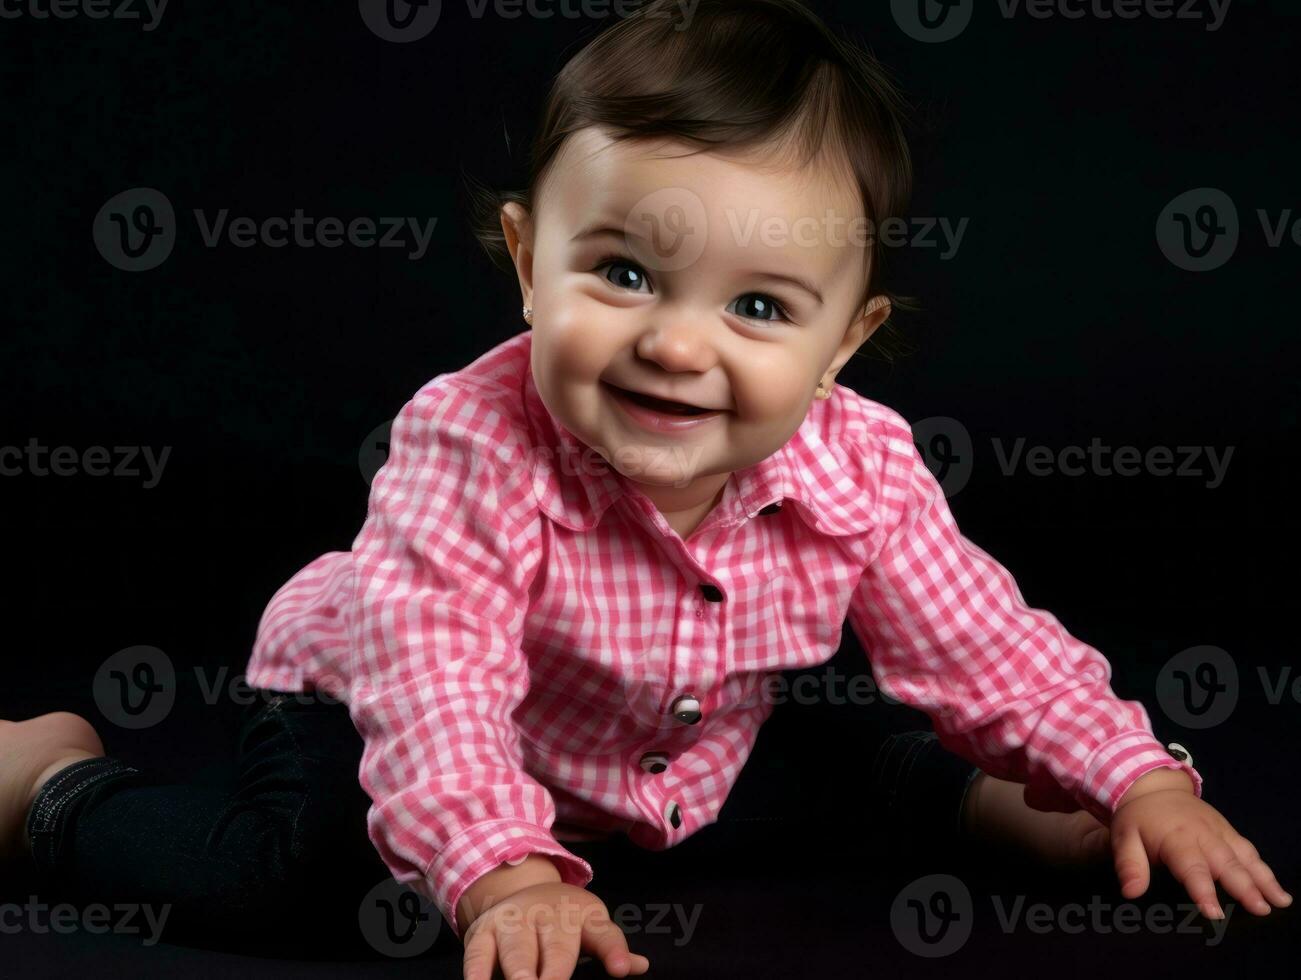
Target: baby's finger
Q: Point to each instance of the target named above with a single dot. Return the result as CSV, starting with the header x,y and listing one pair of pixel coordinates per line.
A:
x,y
1131,862
1233,875
1260,871
1186,861
559,947
517,946
605,940
480,955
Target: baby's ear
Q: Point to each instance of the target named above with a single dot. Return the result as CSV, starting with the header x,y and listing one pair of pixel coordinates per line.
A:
x,y
875,312
517,230
514,219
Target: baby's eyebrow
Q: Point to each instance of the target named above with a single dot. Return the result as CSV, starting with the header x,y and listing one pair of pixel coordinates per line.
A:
x,y
599,229
796,281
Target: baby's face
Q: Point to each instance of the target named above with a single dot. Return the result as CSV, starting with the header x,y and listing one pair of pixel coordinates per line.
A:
x,y
702,279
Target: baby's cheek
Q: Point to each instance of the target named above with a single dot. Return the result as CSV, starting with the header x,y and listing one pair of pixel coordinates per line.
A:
x,y
768,415
776,398
574,337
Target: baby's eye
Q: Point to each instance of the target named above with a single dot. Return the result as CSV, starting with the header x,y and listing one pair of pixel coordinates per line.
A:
x,y
632,278
761,307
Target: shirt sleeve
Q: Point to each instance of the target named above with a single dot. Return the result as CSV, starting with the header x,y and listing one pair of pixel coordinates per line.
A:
x,y
1006,687
442,568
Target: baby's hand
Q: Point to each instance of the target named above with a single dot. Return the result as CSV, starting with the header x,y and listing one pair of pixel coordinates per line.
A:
x,y
1161,818
537,933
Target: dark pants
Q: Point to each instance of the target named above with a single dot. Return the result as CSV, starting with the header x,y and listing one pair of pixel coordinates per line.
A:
x,y
282,857
272,858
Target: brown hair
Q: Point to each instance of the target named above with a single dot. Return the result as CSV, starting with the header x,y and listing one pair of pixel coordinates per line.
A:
x,y
742,74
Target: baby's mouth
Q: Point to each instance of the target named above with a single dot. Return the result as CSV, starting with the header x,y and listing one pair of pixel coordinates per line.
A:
x,y
657,404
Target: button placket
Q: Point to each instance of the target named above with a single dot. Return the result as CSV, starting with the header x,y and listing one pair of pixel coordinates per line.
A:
x,y
686,708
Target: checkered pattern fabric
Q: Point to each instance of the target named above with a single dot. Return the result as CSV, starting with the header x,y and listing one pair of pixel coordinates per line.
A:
x,y
525,644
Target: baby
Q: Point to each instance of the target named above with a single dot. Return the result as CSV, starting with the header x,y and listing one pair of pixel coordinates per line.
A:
x,y
591,547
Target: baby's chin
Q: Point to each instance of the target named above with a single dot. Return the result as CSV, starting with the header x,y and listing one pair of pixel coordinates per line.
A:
x,y
657,475
660,466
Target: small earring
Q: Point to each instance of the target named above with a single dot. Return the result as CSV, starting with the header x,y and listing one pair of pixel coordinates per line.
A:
x,y
528,312
821,389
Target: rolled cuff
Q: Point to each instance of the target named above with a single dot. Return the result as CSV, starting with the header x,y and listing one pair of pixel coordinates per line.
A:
x,y
1118,763
475,851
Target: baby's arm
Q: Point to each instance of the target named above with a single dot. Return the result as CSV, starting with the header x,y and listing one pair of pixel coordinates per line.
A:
x,y
1009,689
442,569
1006,686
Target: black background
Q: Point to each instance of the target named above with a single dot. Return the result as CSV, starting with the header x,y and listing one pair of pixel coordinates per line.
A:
x,y
1058,320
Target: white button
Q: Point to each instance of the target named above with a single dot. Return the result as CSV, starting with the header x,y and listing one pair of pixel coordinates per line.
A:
x,y
655,762
1179,752
519,860
686,709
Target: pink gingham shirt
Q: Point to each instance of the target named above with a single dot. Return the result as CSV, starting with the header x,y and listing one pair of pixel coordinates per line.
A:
x,y
519,634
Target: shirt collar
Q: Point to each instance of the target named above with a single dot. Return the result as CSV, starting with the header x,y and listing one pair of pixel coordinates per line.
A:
x,y
574,484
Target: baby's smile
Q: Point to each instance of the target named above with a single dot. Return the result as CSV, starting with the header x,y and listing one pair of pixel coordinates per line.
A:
x,y
660,415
